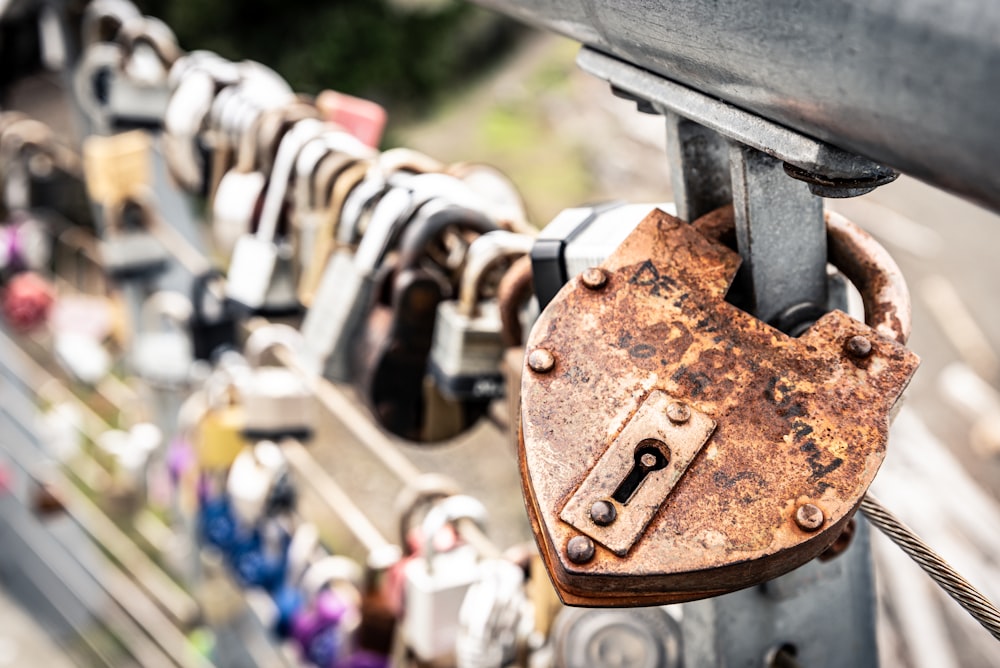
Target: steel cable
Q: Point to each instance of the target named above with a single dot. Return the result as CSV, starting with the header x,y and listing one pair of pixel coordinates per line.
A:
x,y
970,598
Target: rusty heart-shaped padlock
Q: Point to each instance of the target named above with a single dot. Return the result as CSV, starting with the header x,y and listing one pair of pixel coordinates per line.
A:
x,y
674,447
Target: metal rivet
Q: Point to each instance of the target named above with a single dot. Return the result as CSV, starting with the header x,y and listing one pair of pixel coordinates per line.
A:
x,y
859,346
678,413
648,460
594,278
809,517
603,513
541,360
580,549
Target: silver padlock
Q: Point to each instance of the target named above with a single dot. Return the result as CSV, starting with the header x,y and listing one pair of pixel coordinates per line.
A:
x,y
255,257
129,250
277,402
495,619
436,582
608,638
251,479
345,291
468,345
580,238
162,352
138,93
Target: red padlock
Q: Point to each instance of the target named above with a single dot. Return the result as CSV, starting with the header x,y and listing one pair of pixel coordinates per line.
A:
x,y
27,301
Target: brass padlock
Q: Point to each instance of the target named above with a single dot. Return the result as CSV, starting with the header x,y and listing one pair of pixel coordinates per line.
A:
x,y
674,447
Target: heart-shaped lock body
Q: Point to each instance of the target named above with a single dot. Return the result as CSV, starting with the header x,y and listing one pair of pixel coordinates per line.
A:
x,y
674,447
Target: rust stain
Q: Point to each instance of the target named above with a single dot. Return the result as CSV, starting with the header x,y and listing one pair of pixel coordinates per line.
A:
x,y
798,421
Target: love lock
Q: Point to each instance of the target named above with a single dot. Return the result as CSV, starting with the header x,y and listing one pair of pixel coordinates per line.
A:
x,y
674,447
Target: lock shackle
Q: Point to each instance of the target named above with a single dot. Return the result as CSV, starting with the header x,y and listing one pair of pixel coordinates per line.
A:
x,y
431,220
200,292
21,134
167,305
103,19
374,184
333,571
505,202
276,125
860,258
484,253
154,33
515,289
415,497
99,56
277,185
449,511
265,338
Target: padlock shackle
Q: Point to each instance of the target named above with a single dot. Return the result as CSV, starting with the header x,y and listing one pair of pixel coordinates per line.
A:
x,y
291,143
417,495
103,19
155,34
271,336
868,265
515,289
449,511
332,571
430,220
860,258
169,304
200,291
484,253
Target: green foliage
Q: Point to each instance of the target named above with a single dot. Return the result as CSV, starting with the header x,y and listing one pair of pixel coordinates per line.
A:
x,y
402,58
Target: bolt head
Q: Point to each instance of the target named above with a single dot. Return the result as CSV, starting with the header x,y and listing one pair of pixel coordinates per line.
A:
x,y
594,278
859,346
580,549
541,360
809,517
603,513
678,413
648,460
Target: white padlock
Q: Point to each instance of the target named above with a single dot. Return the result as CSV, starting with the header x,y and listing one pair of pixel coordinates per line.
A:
x,y
162,353
252,476
278,402
436,582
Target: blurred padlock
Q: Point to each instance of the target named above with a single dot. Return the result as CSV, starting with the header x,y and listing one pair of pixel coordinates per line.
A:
x,y
468,343
218,437
495,617
252,478
640,637
254,273
27,300
580,238
391,354
278,403
138,90
117,167
25,244
162,353
437,582
129,248
212,324
362,118
325,627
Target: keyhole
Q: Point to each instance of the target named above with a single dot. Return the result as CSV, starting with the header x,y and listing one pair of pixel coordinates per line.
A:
x,y
650,455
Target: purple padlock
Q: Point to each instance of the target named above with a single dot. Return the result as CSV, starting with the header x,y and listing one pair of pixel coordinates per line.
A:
x,y
316,629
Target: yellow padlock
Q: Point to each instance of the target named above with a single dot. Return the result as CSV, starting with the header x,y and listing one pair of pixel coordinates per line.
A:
x,y
218,436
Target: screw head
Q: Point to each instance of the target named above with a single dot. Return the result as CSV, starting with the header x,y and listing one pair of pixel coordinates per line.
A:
x,y
594,278
580,549
541,360
678,413
858,346
603,513
648,460
809,517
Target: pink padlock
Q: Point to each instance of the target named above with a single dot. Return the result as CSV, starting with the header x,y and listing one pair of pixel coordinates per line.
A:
x,y
362,118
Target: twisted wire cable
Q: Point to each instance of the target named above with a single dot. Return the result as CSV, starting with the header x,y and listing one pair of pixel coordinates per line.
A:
x,y
970,598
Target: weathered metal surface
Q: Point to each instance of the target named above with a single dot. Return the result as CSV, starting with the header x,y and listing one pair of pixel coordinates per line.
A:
x,y
799,420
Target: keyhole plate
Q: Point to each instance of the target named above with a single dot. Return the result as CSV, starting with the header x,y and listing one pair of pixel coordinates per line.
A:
x,y
620,474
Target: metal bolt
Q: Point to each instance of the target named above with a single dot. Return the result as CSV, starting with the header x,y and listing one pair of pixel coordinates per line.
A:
x,y
809,517
580,549
648,460
594,278
541,360
859,346
603,513
678,413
